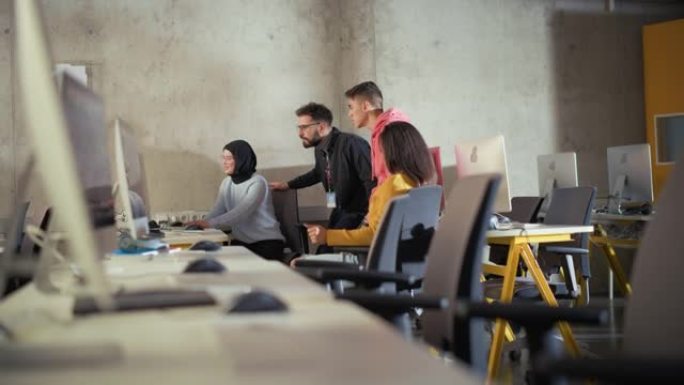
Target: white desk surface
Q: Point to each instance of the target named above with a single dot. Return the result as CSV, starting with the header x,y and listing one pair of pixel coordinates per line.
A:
x,y
606,217
319,340
184,237
541,230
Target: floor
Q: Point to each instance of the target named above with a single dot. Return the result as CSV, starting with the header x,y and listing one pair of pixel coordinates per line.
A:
x,y
595,341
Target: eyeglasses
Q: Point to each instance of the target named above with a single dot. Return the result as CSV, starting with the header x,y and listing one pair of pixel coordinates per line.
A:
x,y
303,126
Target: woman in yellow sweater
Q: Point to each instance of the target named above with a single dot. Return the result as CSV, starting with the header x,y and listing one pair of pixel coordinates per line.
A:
x,y
408,160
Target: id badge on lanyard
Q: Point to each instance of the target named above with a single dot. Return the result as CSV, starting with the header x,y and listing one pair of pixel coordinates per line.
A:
x,y
330,198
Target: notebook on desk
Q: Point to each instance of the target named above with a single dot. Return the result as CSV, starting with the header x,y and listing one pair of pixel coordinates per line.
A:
x,y
525,226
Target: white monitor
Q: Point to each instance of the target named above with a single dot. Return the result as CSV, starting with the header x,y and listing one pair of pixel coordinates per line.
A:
x,y
131,181
556,171
486,156
55,156
629,175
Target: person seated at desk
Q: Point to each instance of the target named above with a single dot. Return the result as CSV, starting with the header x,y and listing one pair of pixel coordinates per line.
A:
x,y
244,203
410,165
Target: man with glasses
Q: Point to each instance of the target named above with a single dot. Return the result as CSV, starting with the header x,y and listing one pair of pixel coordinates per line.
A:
x,y
342,165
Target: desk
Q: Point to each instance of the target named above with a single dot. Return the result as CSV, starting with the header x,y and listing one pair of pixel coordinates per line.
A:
x,y
602,239
518,242
320,340
185,238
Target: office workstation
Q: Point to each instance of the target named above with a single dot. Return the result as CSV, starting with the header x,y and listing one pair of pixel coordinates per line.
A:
x,y
217,193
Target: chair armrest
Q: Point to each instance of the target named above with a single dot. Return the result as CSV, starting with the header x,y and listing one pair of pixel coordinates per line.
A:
x,y
318,264
565,250
531,315
351,249
393,303
367,279
620,370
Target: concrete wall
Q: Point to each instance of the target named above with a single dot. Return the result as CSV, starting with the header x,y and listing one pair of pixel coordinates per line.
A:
x,y
550,75
189,76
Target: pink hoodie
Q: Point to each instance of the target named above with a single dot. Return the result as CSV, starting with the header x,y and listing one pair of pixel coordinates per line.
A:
x,y
380,172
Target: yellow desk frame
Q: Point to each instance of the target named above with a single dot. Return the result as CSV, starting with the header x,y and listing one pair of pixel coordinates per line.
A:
x,y
519,248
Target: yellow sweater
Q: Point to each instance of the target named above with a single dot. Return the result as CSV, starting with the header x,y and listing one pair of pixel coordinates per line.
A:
x,y
396,184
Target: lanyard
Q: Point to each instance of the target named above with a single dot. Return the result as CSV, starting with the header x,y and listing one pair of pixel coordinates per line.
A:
x,y
328,173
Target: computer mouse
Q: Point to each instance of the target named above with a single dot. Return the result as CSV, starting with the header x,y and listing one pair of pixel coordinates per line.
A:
x,y
193,227
205,265
205,245
257,301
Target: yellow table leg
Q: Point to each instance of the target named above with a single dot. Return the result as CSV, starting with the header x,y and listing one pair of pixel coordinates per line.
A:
x,y
500,324
614,262
549,298
620,276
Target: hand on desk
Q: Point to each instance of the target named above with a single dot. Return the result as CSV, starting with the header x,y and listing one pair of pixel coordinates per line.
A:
x,y
317,234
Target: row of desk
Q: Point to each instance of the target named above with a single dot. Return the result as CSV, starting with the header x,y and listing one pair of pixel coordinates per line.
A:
x,y
319,340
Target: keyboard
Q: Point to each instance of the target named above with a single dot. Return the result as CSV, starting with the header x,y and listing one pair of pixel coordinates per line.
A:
x,y
147,299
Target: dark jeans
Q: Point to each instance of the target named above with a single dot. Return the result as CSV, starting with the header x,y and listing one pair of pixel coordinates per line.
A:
x,y
268,249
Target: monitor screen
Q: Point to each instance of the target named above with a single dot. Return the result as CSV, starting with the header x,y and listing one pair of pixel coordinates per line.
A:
x,y
669,133
84,113
486,156
131,180
629,174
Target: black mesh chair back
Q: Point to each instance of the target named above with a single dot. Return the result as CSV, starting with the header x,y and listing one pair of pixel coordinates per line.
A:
x,y
654,313
287,212
454,265
382,255
571,206
417,228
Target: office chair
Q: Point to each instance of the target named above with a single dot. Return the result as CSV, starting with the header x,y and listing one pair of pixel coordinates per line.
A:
x,y
286,210
452,274
652,337
570,206
425,210
402,239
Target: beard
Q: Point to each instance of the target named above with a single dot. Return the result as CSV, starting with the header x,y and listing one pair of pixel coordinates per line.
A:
x,y
313,142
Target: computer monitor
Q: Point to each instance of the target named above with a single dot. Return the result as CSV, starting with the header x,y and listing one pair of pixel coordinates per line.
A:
x,y
486,156
556,171
131,181
85,118
669,137
629,175
66,187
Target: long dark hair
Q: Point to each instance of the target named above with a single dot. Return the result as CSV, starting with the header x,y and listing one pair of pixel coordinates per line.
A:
x,y
406,152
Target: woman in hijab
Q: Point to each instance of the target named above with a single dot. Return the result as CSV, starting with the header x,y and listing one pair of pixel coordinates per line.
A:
x,y
244,204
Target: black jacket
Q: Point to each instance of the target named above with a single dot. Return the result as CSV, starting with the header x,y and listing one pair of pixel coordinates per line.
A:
x,y
350,170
